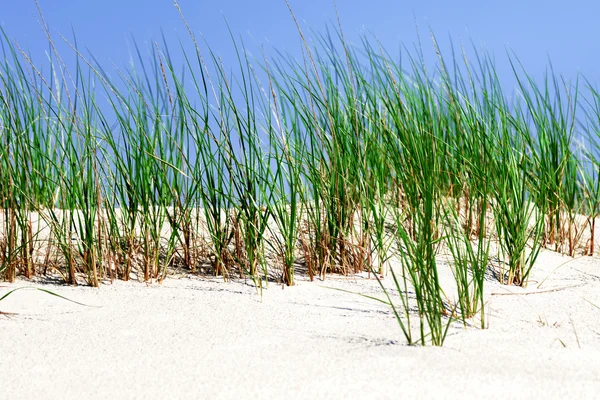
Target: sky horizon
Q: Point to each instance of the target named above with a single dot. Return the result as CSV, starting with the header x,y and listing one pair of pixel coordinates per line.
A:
x,y
536,32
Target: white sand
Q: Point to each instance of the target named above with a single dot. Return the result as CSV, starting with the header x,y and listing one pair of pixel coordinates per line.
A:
x,y
194,338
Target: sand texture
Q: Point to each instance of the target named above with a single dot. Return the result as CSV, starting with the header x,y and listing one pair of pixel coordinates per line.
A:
x,y
202,338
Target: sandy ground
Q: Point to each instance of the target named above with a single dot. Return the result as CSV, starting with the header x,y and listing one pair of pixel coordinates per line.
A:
x,y
198,338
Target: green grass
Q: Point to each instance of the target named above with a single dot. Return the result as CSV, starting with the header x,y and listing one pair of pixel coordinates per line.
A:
x,y
341,161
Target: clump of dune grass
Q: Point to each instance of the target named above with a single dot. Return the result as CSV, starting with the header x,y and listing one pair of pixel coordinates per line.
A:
x,y
343,160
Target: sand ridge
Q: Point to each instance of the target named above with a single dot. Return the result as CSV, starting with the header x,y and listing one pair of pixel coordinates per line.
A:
x,y
204,338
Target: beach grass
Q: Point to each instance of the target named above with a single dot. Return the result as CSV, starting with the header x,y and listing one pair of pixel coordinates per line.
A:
x,y
342,161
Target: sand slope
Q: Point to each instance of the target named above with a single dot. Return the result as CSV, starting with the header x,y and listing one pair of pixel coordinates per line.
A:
x,y
198,338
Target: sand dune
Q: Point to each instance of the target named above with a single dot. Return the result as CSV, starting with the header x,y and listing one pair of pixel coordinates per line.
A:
x,y
203,338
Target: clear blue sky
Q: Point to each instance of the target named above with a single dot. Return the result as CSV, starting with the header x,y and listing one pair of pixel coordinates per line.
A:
x,y
565,31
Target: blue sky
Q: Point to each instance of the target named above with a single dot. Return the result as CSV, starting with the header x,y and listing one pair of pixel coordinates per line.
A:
x,y
565,32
